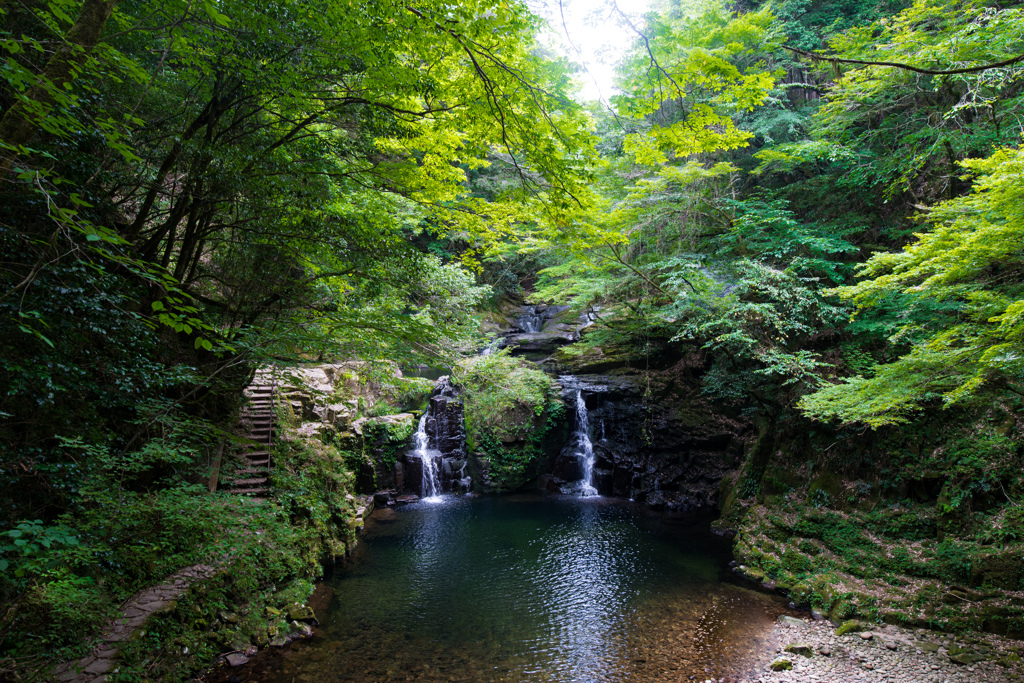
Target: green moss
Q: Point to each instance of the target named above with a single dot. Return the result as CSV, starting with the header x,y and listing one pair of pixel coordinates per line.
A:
x,y
851,626
796,562
510,408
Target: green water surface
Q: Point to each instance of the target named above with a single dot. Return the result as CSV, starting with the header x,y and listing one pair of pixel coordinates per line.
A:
x,y
525,588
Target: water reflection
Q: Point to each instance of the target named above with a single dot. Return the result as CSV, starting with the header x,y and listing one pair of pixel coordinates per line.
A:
x,y
515,589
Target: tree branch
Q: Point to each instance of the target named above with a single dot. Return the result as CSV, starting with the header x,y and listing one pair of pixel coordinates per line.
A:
x,y
906,67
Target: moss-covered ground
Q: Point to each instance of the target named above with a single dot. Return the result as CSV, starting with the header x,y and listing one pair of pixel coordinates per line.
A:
x,y
919,527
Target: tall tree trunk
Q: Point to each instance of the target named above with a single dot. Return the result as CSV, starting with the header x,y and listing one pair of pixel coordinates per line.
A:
x,y
17,127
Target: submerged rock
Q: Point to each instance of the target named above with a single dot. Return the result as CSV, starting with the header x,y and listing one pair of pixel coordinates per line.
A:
x,y
236,659
384,515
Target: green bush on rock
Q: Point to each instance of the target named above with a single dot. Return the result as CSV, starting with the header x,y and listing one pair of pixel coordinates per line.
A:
x,y
510,408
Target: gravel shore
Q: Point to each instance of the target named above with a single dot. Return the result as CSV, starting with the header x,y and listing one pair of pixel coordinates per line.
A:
x,y
812,652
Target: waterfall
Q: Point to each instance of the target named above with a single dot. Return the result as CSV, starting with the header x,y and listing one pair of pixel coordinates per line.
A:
x,y
492,347
584,447
431,485
531,321
435,464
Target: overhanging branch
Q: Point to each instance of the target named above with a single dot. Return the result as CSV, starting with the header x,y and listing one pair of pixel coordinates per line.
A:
x,y
906,67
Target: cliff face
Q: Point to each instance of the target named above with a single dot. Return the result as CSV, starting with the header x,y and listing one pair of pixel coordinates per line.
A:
x,y
654,440
444,440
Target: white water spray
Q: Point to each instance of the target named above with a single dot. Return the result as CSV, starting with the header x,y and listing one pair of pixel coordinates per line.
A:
x,y
531,321
430,486
492,347
584,447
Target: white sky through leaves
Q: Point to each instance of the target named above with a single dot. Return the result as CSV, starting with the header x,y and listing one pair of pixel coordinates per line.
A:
x,y
591,33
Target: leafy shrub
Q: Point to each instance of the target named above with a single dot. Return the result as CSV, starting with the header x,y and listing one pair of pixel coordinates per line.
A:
x,y
509,406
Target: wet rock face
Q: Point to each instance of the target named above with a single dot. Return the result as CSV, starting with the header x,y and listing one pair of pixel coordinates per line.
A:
x,y
446,422
649,451
446,439
541,330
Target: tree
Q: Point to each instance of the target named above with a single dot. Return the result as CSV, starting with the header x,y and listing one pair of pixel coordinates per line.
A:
x,y
969,261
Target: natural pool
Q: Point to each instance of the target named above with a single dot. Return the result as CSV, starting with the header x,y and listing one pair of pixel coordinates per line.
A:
x,y
524,588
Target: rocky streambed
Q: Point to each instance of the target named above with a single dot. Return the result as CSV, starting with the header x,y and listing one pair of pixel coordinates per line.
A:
x,y
855,652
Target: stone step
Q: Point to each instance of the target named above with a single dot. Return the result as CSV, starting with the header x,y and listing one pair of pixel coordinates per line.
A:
x,y
262,465
255,491
252,481
253,470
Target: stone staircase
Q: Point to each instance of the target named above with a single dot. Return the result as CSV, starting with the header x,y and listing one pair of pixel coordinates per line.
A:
x,y
252,478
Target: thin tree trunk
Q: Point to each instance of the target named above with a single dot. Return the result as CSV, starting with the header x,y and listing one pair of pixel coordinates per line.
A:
x,y
17,127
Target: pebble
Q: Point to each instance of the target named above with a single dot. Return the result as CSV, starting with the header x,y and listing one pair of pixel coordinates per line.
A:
x,y
896,655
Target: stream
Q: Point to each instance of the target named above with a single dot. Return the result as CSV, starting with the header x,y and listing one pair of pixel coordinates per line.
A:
x,y
532,588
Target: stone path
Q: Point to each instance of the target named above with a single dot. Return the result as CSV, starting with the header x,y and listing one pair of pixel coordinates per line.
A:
x,y
252,479
889,654
95,667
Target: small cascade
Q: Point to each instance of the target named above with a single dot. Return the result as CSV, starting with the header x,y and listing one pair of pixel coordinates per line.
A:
x,y
530,321
430,485
492,347
437,463
584,447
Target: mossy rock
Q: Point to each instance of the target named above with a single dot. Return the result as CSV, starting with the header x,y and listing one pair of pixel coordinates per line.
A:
x,y
1000,569
781,664
827,488
728,495
966,658
295,592
795,562
752,573
952,521
802,649
1011,659
841,609
297,612
851,626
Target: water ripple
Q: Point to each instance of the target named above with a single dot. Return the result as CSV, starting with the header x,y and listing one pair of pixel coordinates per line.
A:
x,y
521,590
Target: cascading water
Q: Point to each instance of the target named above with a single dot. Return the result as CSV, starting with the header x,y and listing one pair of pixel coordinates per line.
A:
x,y
531,321
435,465
431,484
492,347
584,447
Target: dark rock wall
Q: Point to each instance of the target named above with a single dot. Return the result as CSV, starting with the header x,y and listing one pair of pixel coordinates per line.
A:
x,y
446,432
661,453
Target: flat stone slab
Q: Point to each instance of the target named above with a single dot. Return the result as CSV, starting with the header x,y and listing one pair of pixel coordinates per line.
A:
x,y
137,610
